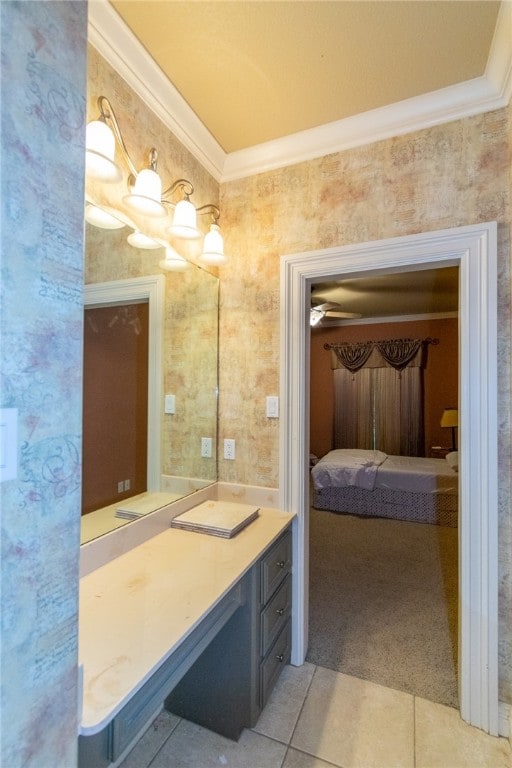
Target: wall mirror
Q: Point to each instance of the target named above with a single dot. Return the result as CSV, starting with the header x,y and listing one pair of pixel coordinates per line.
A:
x,y
133,463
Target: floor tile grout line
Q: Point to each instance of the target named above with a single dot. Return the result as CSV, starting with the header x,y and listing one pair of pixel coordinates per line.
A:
x,y
414,731
164,742
303,705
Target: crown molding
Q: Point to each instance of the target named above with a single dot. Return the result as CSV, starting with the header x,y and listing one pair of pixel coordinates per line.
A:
x,y
121,49
117,44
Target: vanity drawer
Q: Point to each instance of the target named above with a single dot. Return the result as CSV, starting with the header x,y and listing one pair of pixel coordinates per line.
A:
x,y
271,667
275,566
276,614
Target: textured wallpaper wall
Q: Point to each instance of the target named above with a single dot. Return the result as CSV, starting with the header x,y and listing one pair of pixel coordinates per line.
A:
x,y
191,318
42,171
447,176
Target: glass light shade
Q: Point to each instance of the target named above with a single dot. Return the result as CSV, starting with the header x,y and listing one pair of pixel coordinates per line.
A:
x,y
99,217
100,147
146,194
184,223
173,261
140,240
213,246
315,315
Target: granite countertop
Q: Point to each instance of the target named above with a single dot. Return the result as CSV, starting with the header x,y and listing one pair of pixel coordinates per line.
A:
x,y
137,609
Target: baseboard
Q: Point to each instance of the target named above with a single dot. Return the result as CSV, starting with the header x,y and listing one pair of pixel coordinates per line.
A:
x,y
505,720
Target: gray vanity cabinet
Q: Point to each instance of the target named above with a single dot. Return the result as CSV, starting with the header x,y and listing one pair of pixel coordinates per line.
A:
x,y
222,674
228,686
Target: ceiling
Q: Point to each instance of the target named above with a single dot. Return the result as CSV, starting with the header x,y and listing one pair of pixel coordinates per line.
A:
x,y
412,294
256,76
254,71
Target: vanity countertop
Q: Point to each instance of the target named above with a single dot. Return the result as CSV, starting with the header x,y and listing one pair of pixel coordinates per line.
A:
x,y
137,609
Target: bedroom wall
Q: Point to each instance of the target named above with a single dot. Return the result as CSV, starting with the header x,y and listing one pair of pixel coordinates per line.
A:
x,y
440,378
445,176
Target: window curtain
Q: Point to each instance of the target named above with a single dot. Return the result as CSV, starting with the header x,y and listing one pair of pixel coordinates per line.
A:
x,y
379,396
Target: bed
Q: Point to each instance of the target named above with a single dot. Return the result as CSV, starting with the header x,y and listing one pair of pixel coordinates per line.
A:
x,y
372,483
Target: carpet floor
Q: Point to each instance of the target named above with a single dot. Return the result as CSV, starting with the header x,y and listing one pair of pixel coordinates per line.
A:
x,y
383,602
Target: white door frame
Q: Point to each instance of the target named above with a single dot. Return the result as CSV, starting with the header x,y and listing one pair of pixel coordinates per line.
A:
x,y
125,291
474,250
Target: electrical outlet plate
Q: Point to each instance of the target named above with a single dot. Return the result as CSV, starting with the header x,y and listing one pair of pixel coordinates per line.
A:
x,y
229,449
206,447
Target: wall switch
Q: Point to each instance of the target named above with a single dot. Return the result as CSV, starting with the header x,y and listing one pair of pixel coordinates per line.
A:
x,y
229,449
8,443
120,486
170,404
273,407
127,485
206,447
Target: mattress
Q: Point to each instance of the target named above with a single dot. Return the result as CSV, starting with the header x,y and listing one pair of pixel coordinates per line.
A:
x,y
407,488
343,468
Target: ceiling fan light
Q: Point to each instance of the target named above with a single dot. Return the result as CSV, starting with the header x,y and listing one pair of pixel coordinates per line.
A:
x,y
184,223
100,147
315,316
98,217
140,240
213,246
146,194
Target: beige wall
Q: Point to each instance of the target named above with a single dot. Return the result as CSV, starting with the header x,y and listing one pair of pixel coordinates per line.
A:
x,y
190,321
447,176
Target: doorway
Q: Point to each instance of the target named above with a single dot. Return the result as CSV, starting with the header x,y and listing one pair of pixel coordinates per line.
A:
x,y
383,587
474,250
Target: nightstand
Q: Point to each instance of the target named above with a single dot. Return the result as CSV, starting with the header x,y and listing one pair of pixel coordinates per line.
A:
x,y
439,451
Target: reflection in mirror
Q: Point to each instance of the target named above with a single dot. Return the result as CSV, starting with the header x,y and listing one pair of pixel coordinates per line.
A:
x,y
180,359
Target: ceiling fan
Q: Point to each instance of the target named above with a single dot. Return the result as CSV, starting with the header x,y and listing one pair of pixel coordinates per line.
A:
x,y
329,309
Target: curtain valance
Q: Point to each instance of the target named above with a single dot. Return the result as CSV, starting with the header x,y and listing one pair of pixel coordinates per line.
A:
x,y
397,353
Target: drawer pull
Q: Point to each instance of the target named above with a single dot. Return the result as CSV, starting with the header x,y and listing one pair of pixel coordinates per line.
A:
x,y
281,563
279,611
280,657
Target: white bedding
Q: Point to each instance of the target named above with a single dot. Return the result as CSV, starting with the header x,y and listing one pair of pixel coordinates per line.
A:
x,y
374,469
344,467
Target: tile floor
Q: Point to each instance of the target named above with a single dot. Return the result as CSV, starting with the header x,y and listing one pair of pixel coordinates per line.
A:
x,y
317,718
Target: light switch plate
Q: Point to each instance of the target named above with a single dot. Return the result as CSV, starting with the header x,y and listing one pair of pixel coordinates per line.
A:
x,y
170,404
273,407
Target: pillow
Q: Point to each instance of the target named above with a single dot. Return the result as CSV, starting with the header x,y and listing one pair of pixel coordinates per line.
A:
x,y
453,460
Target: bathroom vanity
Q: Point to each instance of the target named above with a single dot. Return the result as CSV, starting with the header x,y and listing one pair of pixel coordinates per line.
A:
x,y
196,622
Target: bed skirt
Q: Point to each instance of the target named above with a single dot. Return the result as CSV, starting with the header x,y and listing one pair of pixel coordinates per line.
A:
x,y
431,508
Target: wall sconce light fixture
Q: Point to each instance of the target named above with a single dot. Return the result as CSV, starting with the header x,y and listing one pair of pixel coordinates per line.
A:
x,y
145,186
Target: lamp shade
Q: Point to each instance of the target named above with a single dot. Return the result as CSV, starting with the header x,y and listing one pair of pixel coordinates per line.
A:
x,y
450,417
99,217
184,223
213,246
140,240
100,147
146,194
173,262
